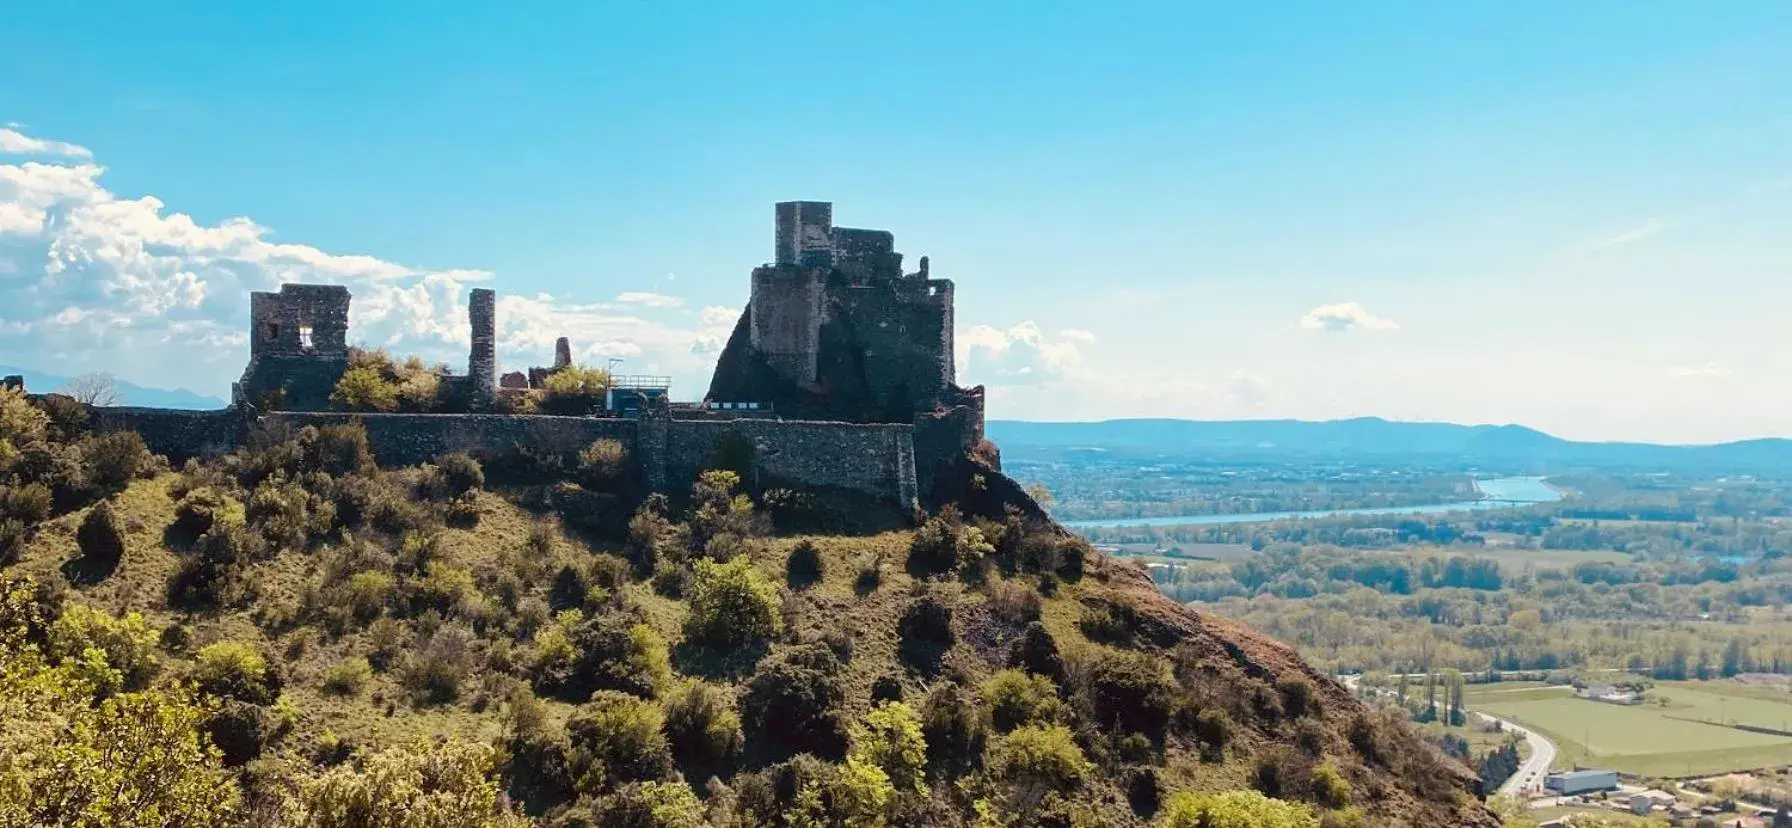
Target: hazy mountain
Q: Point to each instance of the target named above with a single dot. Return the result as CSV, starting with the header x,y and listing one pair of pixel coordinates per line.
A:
x,y
132,394
1372,437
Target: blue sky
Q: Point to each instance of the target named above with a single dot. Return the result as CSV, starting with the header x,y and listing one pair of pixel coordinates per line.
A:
x,y
1570,215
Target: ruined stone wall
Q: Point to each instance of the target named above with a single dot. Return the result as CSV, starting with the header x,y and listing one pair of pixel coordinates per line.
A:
x,y
786,318
298,347
875,459
804,233
482,361
177,433
408,439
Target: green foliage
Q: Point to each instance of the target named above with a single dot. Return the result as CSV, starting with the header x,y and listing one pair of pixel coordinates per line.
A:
x,y
792,702
349,677
575,657
603,465
362,388
201,508
954,727
1036,652
436,672
1016,698
1330,787
27,503
235,670
862,794
20,421
701,724
366,594
1039,758
615,738
925,631
111,654
890,738
732,603
1128,691
1233,809
113,460
101,538
651,805
426,786
459,473
577,381
944,543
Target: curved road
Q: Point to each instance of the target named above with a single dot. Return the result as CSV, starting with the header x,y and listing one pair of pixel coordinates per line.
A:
x,y
1529,777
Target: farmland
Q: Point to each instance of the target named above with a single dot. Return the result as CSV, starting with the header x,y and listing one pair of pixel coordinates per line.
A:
x,y
1651,739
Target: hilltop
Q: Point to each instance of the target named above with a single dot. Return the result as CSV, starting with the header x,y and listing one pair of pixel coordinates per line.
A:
x,y
326,639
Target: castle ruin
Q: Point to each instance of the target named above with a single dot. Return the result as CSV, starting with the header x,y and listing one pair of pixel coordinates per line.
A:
x,y
839,373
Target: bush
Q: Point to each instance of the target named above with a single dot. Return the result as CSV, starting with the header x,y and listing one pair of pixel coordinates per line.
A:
x,y
890,738
925,632
12,542
349,677
362,388
943,544
113,654
1036,652
459,473
1017,699
701,724
235,670
435,673
603,465
1129,692
1014,603
732,604
1214,729
792,701
1233,809
29,503
200,509
100,538
608,652
205,575
1297,697
338,449
574,389
239,729
1039,758
1329,786
615,738
367,593
650,805
954,728
804,568
113,459
427,786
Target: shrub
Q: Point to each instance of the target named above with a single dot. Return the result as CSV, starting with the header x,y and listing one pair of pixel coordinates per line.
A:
x,y
1297,697
804,568
235,670
12,542
1329,786
363,388
459,473
615,738
701,724
125,647
1214,728
574,389
446,588
339,449
113,459
435,673
862,793
239,729
200,509
29,503
1014,603
1233,809
349,677
20,421
1128,691
1036,652
954,727
425,786
603,465
732,603
1039,758
367,593
925,632
791,702
890,738
612,652
205,573
650,805
1017,699
101,538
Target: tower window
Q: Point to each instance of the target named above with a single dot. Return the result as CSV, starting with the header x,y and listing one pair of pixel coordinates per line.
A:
x,y
305,337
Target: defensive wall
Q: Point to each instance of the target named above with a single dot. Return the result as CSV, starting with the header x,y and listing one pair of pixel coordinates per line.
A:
x,y
876,459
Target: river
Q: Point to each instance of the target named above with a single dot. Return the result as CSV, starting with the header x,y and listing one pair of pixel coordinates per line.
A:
x,y
1496,493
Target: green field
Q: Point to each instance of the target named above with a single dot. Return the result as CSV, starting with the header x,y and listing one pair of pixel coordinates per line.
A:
x,y
1650,739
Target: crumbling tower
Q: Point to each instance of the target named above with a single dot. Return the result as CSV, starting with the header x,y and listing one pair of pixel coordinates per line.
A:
x,y
298,347
482,362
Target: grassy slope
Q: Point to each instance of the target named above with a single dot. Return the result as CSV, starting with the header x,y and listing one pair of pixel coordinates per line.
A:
x,y
384,713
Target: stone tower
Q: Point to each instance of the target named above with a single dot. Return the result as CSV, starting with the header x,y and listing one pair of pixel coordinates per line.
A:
x,y
482,362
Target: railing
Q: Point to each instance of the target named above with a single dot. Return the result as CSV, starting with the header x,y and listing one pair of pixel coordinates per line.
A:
x,y
641,381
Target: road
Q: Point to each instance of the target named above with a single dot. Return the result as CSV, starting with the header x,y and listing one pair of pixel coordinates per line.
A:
x,y
1529,777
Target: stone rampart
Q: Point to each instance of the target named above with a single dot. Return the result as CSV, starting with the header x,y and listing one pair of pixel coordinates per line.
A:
x,y
409,439
177,433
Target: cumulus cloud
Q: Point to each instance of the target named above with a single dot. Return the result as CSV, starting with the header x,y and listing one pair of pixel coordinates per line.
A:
x,y
1077,335
1345,316
649,300
1020,355
91,279
717,316
14,142
1709,369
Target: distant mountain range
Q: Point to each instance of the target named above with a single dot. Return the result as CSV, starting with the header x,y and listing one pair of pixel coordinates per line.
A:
x,y
131,394
1367,437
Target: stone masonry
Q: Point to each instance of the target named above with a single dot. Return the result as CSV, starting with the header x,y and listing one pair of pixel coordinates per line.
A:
x,y
482,362
298,347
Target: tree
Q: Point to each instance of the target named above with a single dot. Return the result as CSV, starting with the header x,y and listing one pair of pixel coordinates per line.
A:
x,y
732,603
98,388
446,786
890,738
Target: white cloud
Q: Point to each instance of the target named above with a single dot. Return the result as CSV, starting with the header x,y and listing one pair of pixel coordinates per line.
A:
x,y
1077,335
649,300
13,142
1020,355
91,280
1708,370
1345,316
1630,236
